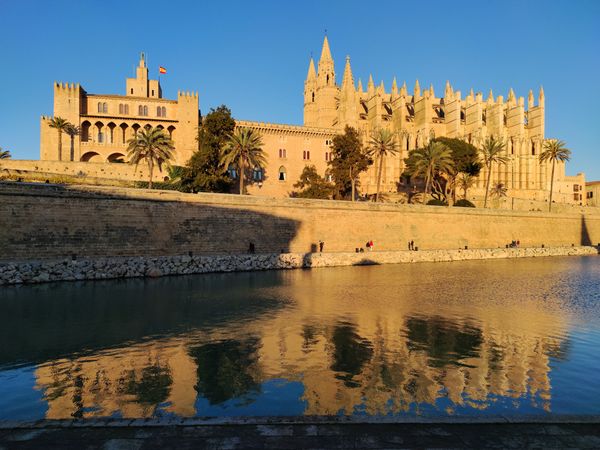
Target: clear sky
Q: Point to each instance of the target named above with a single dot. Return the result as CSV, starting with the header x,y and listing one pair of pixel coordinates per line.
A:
x,y
253,56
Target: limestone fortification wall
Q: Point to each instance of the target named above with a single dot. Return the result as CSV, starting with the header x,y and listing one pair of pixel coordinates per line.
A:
x,y
114,171
51,221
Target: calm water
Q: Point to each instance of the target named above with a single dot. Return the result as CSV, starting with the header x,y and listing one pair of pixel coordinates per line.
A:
x,y
481,337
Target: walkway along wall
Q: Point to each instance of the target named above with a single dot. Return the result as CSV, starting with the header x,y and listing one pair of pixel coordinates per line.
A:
x,y
50,221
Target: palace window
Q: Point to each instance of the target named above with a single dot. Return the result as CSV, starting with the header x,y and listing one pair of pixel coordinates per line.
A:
x,y
282,153
257,174
143,110
306,154
99,107
282,174
131,90
104,108
158,111
575,188
232,171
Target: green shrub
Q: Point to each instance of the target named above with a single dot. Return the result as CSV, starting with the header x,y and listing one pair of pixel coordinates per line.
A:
x,y
437,202
464,203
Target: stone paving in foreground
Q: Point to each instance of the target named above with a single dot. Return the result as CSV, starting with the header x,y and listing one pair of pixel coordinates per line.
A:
x,y
305,433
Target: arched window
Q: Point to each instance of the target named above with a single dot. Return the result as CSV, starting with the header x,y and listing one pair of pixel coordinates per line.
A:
x,y
282,174
131,90
164,111
257,174
327,78
121,109
145,110
104,108
232,171
306,154
85,131
158,111
126,109
99,107
512,146
313,97
282,153
532,148
140,110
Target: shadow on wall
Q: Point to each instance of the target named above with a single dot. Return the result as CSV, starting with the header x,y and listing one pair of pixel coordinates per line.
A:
x,y
55,222
585,234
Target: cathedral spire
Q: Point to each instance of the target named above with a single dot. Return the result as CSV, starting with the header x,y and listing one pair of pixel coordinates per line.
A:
x,y
530,99
394,87
381,88
542,98
403,90
511,95
325,52
371,85
312,73
142,60
348,80
448,90
417,91
490,97
431,92
360,86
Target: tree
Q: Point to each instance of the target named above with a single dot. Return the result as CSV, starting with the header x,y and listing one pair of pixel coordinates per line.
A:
x,y
60,125
348,161
491,153
383,143
242,150
203,172
72,131
152,145
465,157
428,161
4,154
555,151
465,181
312,185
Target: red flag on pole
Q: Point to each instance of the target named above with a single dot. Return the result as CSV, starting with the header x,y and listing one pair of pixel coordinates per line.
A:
x,y
161,69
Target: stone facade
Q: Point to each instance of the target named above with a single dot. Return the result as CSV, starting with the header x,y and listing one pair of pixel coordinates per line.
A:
x,y
593,193
419,116
107,121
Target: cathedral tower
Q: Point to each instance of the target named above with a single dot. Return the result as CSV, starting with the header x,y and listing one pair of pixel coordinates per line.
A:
x,y
310,91
327,91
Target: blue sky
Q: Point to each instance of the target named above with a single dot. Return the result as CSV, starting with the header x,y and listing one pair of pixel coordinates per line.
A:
x,y
253,56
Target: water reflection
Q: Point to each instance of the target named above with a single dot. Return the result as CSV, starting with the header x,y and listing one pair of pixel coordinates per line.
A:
x,y
360,340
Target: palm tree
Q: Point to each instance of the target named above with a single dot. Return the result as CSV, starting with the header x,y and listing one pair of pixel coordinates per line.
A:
x,y
60,124
430,160
4,154
243,149
554,150
465,181
383,143
490,154
72,131
151,144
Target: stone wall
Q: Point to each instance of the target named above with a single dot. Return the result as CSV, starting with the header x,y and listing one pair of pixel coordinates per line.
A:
x,y
52,221
112,171
123,267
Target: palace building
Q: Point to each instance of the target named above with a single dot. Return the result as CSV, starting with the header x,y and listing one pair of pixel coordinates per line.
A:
x,y
108,121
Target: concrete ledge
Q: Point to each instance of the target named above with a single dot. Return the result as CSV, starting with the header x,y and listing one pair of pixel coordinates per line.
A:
x,y
29,272
305,432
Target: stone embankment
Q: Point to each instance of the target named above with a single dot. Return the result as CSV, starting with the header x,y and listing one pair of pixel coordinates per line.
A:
x,y
128,267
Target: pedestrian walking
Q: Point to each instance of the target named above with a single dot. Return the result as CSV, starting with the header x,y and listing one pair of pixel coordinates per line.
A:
x,y
321,245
